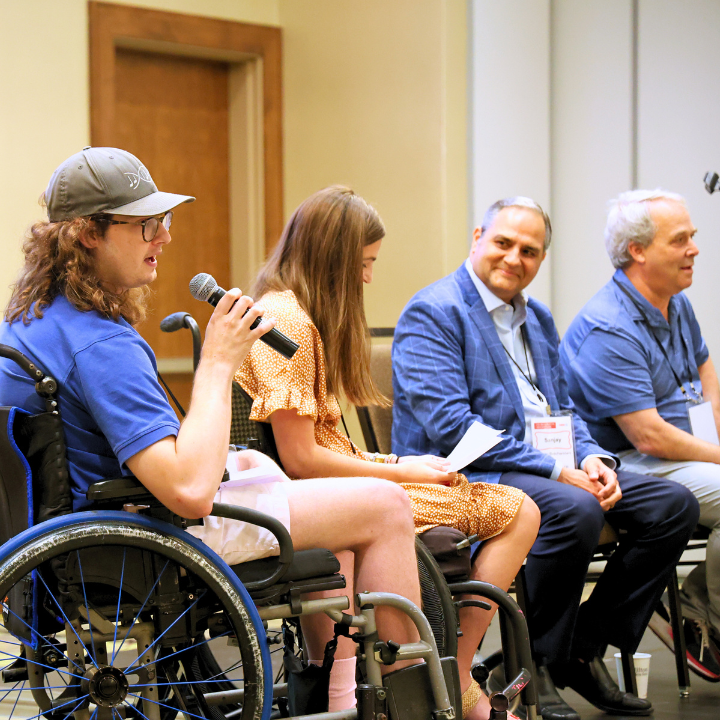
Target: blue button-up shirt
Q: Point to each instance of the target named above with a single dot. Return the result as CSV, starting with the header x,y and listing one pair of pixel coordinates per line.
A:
x,y
508,321
614,363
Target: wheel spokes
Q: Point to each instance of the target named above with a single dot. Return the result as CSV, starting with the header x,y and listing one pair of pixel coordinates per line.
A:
x,y
67,622
167,629
142,607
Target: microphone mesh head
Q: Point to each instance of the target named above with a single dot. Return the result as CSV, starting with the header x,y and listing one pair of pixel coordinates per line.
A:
x,y
202,286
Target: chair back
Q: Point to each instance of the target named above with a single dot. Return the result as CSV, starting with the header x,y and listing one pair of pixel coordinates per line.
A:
x,y
244,431
375,421
34,479
15,480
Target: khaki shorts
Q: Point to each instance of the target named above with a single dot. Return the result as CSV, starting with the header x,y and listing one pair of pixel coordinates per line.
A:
x,y
237,542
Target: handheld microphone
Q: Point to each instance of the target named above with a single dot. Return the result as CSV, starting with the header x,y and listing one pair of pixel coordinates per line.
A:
x,y
204,287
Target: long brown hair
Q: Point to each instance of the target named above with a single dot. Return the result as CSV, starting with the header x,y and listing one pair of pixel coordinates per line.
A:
x,y
319,257
57,263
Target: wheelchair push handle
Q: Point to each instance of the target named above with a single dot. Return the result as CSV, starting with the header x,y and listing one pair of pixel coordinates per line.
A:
x,y
177,321
287,552
45,385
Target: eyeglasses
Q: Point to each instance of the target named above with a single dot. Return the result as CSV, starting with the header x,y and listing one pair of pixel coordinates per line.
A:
x,y
149,227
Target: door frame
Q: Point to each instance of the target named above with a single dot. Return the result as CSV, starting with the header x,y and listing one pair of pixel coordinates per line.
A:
x,y
254,53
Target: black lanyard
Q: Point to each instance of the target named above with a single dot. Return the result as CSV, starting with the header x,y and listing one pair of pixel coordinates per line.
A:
x,y
541,397
347,432
664,351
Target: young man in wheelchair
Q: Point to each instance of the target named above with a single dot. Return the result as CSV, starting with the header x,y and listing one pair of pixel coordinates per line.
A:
x,y
73,311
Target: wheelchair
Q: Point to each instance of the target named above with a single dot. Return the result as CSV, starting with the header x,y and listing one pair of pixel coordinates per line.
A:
x,y
444,566
117,612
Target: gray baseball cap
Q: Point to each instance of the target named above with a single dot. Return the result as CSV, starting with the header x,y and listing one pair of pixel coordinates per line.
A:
x,y
108,181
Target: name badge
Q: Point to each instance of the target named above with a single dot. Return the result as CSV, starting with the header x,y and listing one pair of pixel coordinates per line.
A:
x,y
702,422
554,436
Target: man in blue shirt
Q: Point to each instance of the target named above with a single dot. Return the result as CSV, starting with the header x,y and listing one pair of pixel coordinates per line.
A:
x,y
472,347
642,378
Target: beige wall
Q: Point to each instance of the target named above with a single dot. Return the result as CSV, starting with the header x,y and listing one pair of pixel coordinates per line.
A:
x,y
375,98
374,93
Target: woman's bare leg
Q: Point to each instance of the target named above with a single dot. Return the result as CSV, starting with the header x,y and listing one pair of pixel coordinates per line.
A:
x,y
499,561
318,629
372,518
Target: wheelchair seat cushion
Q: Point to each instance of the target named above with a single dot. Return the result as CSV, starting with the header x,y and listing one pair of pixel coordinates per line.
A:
x,y
306,564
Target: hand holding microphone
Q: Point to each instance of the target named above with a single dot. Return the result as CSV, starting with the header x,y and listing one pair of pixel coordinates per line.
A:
x,y
204,287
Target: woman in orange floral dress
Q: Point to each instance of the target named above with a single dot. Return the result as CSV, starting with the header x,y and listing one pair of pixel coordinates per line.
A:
x,y
313,285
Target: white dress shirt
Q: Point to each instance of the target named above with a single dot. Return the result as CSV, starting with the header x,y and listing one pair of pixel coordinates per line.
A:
x,y
508,321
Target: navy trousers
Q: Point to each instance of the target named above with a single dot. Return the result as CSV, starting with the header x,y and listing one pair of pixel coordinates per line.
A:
x,y
658,516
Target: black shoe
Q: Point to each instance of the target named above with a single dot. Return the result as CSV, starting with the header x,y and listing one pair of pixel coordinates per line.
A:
x,y
550,705
592,680
702,650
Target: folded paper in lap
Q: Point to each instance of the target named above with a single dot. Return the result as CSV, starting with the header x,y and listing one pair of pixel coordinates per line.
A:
x,y
477,440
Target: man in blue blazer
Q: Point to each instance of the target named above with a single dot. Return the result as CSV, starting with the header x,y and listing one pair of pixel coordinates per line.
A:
x,y
472,347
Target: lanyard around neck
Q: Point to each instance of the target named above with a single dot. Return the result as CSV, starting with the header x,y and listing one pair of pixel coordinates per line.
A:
x,y
535,388
641,310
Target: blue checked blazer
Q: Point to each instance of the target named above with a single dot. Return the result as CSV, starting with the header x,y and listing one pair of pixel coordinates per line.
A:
x,y
450,369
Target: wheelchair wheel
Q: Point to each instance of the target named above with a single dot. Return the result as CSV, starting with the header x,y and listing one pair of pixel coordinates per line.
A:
x,y
437,602
111,615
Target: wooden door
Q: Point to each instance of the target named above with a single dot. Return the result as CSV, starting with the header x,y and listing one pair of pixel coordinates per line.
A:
x,y
172,112
160,85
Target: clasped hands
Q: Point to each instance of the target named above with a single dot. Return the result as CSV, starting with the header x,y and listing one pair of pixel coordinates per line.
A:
x,y
597,479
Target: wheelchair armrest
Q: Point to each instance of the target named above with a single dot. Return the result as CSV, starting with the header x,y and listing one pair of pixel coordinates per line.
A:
x,y
287,551
125,487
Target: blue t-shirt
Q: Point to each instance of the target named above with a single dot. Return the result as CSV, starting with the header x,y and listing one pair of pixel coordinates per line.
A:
x,y
614,363
110,400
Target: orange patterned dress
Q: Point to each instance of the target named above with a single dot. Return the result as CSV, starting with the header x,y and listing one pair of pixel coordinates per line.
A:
x,y
276,383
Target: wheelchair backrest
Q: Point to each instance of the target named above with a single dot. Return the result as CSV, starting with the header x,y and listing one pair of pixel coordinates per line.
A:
x,y
15,479
244,431
34,479
376,421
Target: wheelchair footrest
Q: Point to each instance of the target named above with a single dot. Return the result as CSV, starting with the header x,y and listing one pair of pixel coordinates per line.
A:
x,y
409,693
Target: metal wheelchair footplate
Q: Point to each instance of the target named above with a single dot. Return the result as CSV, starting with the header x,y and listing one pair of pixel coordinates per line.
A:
x,y
409,694
428,695
419,692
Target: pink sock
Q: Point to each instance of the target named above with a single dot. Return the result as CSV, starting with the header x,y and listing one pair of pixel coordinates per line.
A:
x,y
341,693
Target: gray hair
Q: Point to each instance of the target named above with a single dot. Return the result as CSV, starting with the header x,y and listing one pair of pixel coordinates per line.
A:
x,y
518,201
629,221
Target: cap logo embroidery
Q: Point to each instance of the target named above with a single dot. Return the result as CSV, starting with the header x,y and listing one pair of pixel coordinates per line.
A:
x,y
135,178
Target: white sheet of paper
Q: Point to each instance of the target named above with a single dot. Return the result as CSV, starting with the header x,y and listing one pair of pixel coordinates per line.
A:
x,y
254,476
702,422
477,441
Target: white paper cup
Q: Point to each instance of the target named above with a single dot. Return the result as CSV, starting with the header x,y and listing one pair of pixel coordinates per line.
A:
x,y
642,672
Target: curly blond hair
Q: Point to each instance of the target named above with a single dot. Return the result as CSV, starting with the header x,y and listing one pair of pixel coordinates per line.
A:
x,y
57,263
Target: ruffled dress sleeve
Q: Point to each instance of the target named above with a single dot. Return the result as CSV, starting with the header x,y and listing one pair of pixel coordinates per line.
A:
x,y
273,381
